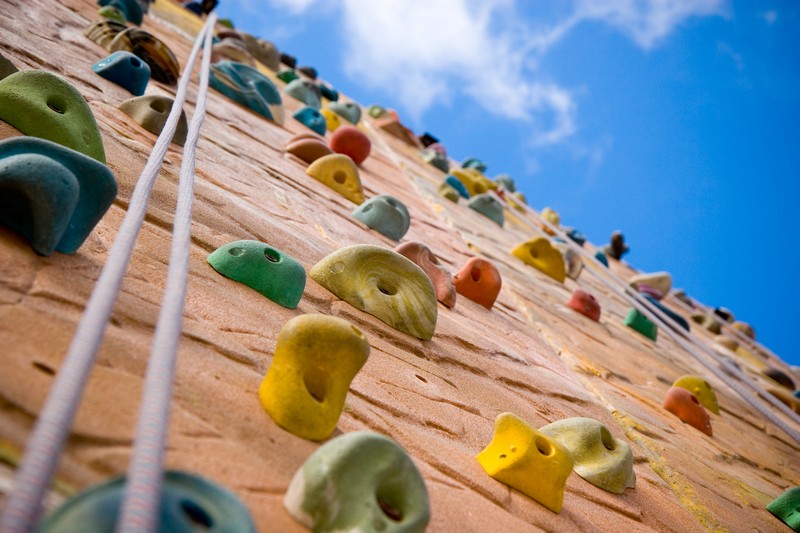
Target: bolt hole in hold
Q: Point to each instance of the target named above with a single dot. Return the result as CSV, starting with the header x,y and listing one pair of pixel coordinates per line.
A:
x,y
158,106
55,106
422,379
316,383
391,202
339,177
695,399
196,515
534,253
502,456
544,446
236,252
337,267
135,62
475,273
272,256
392,512
388,290
607,439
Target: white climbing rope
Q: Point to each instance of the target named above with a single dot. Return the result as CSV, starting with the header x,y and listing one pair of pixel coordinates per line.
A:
x,y
49,434
722,369
141,504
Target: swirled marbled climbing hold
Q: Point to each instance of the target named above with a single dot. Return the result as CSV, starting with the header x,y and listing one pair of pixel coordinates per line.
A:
x,y
151,112
786,508
163,64
231,49
247,86
686,406
382,283
701,389
385,214
316,358
312,118
359,482
351,141
338,172
54,196
347,110
527,460
488,206
44,105
304,90
584,303
600,459
103,31
308,147
638,322
440,277
479,281
273,273
541,255
126,70
188,503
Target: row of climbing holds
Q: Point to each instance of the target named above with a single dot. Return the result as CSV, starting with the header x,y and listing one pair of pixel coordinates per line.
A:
x,y
541,255
386,215
247,86
151,113
479,281
440,277
686,406
126,70
584,303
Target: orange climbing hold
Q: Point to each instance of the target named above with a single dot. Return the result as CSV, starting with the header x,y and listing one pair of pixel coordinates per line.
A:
x,y
480,281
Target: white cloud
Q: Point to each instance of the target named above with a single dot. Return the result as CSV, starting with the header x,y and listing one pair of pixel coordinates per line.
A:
x,y
770,17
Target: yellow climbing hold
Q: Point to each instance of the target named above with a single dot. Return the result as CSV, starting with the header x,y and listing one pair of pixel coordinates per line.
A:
x,y
338,172
701,389
332,120
527,460
475,182
541,255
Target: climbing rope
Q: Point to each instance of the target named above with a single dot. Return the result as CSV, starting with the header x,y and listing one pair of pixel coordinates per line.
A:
x,y
722,370
142,499
49,434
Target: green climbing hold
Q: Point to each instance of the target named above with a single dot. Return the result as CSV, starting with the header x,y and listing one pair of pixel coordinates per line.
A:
x,y
488,206
273,273
385,214
44,105
132,9
113,13
382,283
787,508
637,321
151,112
287,75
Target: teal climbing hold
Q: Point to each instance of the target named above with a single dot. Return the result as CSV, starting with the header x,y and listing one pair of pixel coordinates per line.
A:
x,y
488,206
113,13
163,64
577,236
247,86
311,118
347,110
132,9
44,105
273,273
456,183
287,75
637,321
53,195
328,92
151,112
678,319
6,67
188,504
787,508
506,182
600,256
126,70
386,215
474,162
305,91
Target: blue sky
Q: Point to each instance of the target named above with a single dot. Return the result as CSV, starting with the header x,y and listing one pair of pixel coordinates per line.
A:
x,y
675,121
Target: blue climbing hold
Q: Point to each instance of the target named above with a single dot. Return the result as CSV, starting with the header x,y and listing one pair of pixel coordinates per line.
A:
x,y
247,86
678,319
188,504
132,9
126,70
386,215
576,236
600,256
455,183
53,195
194,6
305,91
311,118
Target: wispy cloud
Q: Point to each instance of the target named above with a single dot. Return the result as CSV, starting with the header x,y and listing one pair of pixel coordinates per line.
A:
x,y
770,17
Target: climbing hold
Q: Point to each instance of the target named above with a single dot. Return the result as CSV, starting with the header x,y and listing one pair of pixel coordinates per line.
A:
x,y
151,112
338,172
44,105
376,111
6,67
650,291
382,283
393,127
263,51
103,31
289,60
661,281
601,257
359,481
488,206
305,91
316,358
194,6
727,342
455,183
54,196
440,277
527,460
311,118
351,141
188,504
617,248
686,406
273,273
474,162
681,295
479,281
786,397
585,304
505,181
552,217
540,254
577,236
126,70
637,321
675,317
309,149
780,377
113,13
347,110
474,181
572,259
701,389
427,139
247,86
449,192
744,328
310,72
785,508
708,322
725,314
328,92
231,49
385,214
332,120
517,201
287,75
163,64
132,9
600,459
436,159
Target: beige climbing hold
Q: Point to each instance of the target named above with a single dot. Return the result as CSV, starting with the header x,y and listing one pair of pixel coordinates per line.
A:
x,y
338,172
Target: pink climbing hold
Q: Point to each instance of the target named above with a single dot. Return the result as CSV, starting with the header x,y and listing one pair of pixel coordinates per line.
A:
x,y
585,304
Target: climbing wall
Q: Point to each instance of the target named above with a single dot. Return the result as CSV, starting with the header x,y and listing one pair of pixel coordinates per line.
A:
x,y
529,354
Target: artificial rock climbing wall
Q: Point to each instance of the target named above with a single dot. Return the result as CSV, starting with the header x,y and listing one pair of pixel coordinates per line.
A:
x,y
529,354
